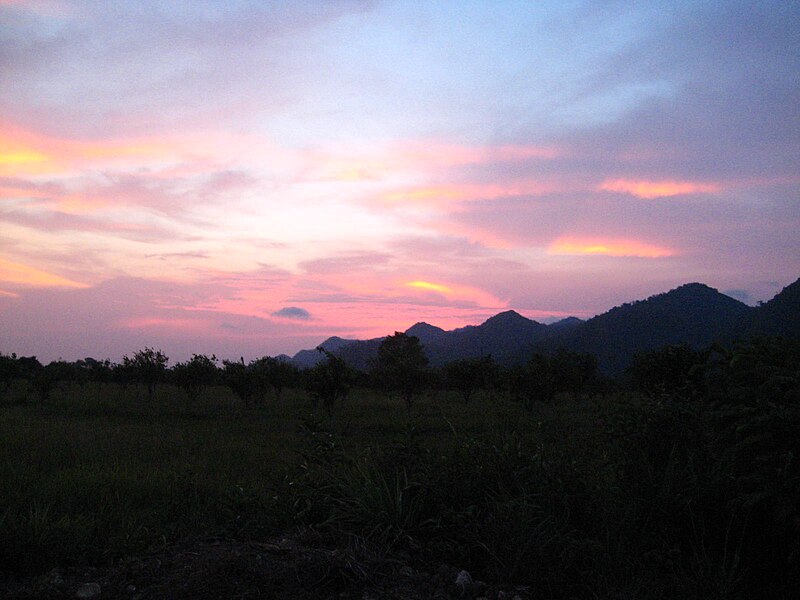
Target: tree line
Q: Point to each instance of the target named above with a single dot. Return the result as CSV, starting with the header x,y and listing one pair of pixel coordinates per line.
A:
x,y
401,370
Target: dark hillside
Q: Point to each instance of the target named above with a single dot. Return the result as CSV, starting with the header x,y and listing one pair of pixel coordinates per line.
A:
x,y
692,314
780,316
308,358
425,333
508,337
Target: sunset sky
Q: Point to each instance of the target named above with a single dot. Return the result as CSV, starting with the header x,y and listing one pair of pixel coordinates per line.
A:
x,y
250,178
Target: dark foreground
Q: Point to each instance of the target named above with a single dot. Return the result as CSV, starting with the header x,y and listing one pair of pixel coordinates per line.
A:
x,y
286,567
681,491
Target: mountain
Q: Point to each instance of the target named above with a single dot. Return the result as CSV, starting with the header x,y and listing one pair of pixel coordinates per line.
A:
x,y
780,316
507,337
693,314
564,324
426,333
361,355
306,359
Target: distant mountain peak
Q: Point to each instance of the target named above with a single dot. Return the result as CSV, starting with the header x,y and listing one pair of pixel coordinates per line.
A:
x,y
310,357
790,291
781,315
507,317
334,343
423,326
425,332
566,323
694,288
693,313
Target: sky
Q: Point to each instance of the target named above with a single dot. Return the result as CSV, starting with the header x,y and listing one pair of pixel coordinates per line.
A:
x,y
250,178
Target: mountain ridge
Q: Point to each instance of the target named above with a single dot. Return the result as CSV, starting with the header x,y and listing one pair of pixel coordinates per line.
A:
x,y
693,313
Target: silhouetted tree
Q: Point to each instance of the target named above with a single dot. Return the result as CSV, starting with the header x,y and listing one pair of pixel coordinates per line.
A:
x,y
260,373
50,375
282,374
574,372
328,382
239,379
401,366
469,375
196,375
28,366
98,371
9,370
147,366
534,381
666,370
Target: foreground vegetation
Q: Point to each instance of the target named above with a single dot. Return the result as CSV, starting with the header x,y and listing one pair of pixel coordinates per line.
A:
x,y
682,483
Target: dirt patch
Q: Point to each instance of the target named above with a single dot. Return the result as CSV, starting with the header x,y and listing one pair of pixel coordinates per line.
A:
x,y
291,568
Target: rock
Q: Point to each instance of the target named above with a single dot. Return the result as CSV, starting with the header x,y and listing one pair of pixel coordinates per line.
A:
x,y
88,590
407,572
463,583
463,579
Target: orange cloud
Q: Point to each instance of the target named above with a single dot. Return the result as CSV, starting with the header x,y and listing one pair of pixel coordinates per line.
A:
x,y
657,189
20,274
456,292
24,152
27,153
610,247
427,285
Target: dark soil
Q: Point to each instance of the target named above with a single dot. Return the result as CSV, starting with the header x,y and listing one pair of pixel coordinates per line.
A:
x,y
291,568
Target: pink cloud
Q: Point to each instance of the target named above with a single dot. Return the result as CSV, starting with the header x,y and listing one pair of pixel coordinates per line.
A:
x,y
455,193
571,246
658,189
18,274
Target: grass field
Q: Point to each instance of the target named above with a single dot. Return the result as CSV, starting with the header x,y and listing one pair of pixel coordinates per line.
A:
x,y
613,497
99,472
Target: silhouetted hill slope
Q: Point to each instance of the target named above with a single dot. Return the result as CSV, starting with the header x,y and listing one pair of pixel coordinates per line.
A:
x,y
361,354
693,314
308,358
780,316
564,324
426,333
507,337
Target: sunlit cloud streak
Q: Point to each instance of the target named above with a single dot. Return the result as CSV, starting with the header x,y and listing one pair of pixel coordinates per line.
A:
x,y
27,276
658,189
607,247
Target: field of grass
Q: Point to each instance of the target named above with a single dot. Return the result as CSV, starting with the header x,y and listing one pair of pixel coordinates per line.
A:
x,y
614,497
99,472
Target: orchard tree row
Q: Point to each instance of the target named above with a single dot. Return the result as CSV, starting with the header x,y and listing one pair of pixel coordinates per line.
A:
x,y
768,366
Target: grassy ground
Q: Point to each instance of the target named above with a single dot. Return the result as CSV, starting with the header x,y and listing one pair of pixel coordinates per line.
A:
x,y
614,497
97,473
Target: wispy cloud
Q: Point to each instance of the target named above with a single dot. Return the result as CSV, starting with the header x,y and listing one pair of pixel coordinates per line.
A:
x,y
27,276
607,247
658,189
